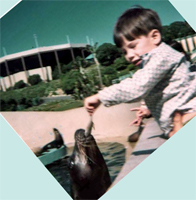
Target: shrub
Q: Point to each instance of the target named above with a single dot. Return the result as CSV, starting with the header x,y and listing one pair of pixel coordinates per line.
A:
x,y
55,73
11,105
109,73
2,105
69,81
34,79
132,67
20,84
109,70
120,63
107,53
123,72
66,68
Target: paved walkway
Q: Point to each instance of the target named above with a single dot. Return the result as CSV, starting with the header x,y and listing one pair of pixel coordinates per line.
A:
x,y
149,141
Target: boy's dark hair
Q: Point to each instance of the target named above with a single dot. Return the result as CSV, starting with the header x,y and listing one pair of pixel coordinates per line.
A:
x,y
135,22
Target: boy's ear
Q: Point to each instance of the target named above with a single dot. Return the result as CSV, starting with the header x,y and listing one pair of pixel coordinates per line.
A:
x,y
155,36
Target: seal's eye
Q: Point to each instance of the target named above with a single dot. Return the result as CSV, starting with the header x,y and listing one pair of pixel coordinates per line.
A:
x,y
89,162
71,164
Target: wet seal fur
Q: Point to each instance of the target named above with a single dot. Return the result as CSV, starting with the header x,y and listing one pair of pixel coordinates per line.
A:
x,y
56,143
89,176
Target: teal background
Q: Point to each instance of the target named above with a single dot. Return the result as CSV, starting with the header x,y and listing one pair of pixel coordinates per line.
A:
x,y
51,21
168,174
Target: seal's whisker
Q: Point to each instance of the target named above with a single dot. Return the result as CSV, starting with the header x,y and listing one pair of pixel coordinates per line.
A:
x,y
84,145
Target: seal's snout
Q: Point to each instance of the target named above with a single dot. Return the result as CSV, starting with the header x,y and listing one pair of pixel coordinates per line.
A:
x,y
80,134
89,128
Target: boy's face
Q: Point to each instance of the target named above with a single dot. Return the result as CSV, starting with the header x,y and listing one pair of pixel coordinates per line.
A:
x,y
135,48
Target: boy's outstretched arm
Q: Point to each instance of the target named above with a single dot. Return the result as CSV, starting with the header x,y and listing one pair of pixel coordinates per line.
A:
x,y
91,103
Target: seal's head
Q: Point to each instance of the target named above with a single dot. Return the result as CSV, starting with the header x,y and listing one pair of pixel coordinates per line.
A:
x,y
84,148
82,136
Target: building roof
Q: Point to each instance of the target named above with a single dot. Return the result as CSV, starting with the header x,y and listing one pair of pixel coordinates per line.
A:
x,y
49,55
40,50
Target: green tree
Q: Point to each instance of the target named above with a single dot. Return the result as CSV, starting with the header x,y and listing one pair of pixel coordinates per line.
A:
x,y
176,30
109,73
107,53
93,51
69,81
120,63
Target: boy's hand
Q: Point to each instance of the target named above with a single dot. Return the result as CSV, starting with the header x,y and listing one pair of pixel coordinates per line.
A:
x,y
91,103
141,113
137,121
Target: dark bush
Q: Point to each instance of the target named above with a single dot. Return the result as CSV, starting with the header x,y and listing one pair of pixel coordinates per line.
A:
x,y
132,67
10,88
107,53
109,70
120,63
34,79
64,70
11,105
55,73
69,81
27,97
108,74
2,105
20,84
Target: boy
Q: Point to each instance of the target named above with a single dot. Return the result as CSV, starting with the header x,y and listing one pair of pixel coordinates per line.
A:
x,y
164,82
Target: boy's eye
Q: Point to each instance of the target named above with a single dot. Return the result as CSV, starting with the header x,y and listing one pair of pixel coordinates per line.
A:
x,y
131,46
123,52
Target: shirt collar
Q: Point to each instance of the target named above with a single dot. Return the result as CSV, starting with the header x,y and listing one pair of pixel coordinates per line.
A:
x,y
146,56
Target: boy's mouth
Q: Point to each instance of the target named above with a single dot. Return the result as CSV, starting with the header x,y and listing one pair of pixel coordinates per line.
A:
x,y
137,62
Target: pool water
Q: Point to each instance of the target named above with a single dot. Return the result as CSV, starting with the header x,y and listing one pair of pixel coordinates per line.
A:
x,y
113,153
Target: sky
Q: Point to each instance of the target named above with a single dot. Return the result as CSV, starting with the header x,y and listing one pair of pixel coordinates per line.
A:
x,y
52,21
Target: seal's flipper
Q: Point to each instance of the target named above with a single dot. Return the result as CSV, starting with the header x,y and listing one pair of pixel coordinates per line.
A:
x,y
56,131
58,138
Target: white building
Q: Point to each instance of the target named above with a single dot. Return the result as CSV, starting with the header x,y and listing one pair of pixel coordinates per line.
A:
x,y
19,66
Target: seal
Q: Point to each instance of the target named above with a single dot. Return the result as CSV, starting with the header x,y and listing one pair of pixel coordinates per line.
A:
x,y
56,143
89,176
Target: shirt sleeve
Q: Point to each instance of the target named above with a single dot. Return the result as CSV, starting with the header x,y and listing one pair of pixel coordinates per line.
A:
x,y
142,82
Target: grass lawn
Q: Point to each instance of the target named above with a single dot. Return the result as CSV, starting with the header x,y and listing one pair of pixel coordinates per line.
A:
x,y
61,105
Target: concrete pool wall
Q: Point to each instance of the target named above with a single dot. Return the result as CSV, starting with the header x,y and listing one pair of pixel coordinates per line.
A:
x,y
111,125
36,128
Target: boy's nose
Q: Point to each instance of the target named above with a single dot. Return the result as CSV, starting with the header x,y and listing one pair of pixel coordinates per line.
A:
x,y
129,57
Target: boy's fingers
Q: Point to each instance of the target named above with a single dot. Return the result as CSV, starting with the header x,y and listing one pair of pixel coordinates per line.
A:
x,y
134,122
135,109
90,111
89,107
139,121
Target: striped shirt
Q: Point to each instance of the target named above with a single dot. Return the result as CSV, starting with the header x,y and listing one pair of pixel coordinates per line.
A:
x,y
165,83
